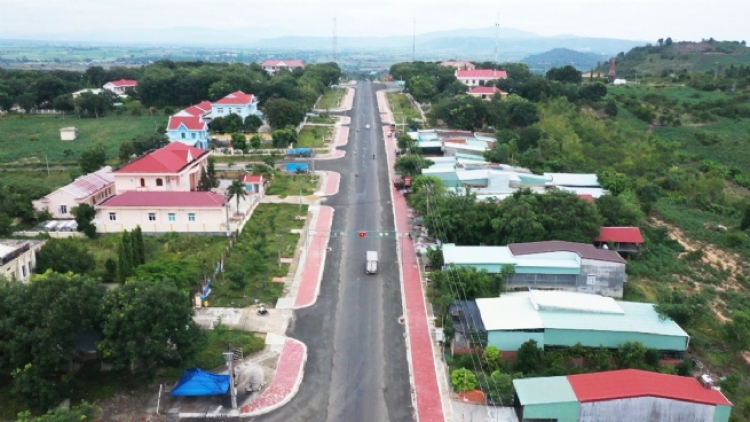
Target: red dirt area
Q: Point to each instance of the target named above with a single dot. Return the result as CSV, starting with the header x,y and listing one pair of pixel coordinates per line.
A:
x,y
473,396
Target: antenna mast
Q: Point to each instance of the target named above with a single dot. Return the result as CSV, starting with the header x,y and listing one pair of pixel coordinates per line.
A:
x,y
334,39
414,42
497,29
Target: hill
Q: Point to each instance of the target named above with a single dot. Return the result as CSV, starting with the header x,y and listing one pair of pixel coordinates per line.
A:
x,y
562,56
655,60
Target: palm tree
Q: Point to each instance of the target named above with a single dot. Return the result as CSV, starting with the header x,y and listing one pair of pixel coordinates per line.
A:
x,y
237,190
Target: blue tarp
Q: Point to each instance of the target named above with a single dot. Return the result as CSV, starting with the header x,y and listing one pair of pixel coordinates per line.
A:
x,y
197,382
294,167
300,151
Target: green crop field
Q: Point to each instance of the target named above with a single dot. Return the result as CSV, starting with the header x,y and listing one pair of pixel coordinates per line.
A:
x,y
27,139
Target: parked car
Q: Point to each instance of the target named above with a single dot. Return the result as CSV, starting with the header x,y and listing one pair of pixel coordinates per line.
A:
x,y
367,126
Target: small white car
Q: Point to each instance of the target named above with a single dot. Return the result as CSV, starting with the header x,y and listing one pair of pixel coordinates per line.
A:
x,y
367,126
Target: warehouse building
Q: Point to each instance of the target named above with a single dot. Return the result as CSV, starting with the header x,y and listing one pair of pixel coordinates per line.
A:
x,y
619,396
555,265
562,319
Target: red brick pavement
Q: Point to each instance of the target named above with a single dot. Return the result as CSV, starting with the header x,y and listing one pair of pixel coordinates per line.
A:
x,y
316,255
342,136
332,184
421,353
286,382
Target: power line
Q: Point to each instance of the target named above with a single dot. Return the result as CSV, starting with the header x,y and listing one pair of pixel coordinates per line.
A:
x,y
414,42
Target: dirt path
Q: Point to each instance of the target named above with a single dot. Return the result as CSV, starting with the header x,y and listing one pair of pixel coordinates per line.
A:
x,y
712,256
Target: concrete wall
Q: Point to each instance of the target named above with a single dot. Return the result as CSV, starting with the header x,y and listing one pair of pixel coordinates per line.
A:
x,y
207,220
722,413
646,409
601,277
512,340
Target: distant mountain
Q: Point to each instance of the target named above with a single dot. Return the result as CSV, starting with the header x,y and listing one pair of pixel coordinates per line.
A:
x,y
563,56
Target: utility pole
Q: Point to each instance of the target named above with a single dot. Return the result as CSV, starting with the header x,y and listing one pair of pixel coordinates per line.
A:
x,y
335,41
229,357
497,29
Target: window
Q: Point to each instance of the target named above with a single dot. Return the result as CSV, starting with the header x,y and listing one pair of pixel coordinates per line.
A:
x,y
191,216
23,271
183,135
159,182
63,209
143,182
112,216
172,216
220,110
591,279
192,135
238,110
152,216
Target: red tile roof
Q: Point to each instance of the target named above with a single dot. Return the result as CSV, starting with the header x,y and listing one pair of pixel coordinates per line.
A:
x,y
482,74
237,97
620,235
584,250
190,122
198,109
587,197
484,90
288,63
249,178
170,159
165,199
630,383
124,82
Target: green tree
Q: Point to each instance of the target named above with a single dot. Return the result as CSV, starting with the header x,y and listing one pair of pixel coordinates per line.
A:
x,y
599,359
282,138
528,358
84,215
281,112
256,142
745,223
145,143
6,102
593,92
632,355
411,165
6,224
126,152
565,74
93,159
237,190
139,247
239,142
182,272
737,331
499,388
615,182
139,339
611,108
491,357
253,123
64,256
463,380
125,264
619,211
81,412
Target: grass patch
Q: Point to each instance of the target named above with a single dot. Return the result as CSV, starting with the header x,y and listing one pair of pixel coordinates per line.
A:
x,y
322,120
256,255
332,98
55,179
289,185
313,137
26,139
211,356
402,108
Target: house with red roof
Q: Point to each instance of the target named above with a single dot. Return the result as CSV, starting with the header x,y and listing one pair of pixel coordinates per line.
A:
x,y
120,86
477,77
174,168
254,184
621,239
91,189
620,396
237,103
273,66
486,92
459,64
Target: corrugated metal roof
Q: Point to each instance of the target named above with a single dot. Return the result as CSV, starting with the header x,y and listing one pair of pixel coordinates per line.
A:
x,y
544,390
551,300
90,184
630,383
511,311
620,235
594,192
516,311
584,250
638,318
165,199
476,255
574,179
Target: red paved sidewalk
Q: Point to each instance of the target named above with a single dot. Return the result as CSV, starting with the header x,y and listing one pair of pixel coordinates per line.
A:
x,y
289,370
316,254
422,356
332,183
342,136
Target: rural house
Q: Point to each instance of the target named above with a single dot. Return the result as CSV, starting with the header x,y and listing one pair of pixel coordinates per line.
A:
x,y
477,77
90,189
486,92
622,239
459,64
176,167
120,86
273,66
18,258
237,103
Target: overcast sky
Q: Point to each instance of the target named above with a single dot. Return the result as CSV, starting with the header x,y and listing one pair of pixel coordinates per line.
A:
x,y
627,19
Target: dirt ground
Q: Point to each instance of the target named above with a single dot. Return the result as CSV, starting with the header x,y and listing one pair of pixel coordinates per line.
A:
x,y
133,406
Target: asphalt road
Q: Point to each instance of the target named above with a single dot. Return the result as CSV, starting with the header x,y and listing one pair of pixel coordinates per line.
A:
x,y
356,368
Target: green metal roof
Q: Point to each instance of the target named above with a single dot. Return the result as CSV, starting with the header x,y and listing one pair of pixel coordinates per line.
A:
x,y
544,390
638,318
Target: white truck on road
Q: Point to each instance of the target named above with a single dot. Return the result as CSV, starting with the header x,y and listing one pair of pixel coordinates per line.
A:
x,y
371,267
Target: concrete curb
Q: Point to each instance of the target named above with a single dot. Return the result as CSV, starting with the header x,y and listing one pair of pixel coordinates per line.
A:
x,y
295,387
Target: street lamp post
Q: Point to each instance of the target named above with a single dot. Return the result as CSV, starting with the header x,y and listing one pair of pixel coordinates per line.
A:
x,y
229,357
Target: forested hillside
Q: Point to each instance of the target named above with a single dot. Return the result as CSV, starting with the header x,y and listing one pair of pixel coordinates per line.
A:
x,y
675,153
